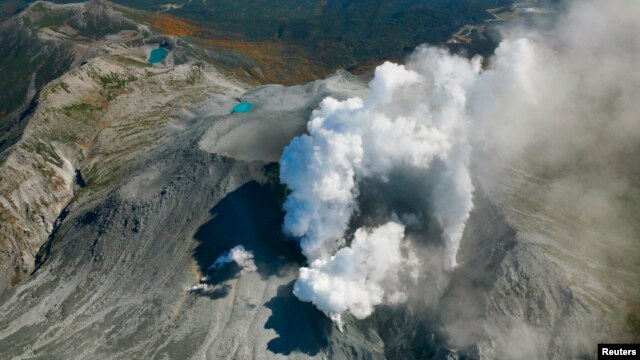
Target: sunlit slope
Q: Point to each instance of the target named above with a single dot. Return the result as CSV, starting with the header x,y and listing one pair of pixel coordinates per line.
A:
x,y
584,217
95,119
40,44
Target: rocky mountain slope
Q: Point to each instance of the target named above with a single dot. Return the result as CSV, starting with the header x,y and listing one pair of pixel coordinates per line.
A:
x,y
132,131
42,43
169,183
66,132
39,161
126,180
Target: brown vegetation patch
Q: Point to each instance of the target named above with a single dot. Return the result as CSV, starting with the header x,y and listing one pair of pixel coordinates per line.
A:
x,y
268,61
171,25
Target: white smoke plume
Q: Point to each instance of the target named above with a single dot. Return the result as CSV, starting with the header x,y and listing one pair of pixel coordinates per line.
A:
x,y
357,277
198,287
563,94
240,256
412,116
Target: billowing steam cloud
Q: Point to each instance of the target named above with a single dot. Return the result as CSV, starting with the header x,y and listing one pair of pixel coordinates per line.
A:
x,y
240,256
557,93
357,277
237,254
412,117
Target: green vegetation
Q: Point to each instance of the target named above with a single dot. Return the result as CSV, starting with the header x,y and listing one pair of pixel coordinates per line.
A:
x,y
288,41
46,171
113,84
83,116
71,110
64,137
42,17
634,323
337,32
194,76
45,150
19,48
61,85
33,61
11,7
100,177
132,62
92,23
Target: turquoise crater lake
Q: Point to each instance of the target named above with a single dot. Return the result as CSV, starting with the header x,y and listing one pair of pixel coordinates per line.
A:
x,y
158,54
243,107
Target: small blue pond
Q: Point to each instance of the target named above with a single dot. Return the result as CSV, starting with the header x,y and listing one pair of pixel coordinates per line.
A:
x,y
158,54
243,107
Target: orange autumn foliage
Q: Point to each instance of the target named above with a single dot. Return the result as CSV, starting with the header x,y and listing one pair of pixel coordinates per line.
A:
x,y
171,25
274,62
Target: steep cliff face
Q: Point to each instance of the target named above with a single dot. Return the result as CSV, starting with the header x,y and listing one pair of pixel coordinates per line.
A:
x,y
156,209
88,126
43,42
46,138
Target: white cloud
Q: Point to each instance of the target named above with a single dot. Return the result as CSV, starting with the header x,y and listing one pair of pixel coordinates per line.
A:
x,y
410,118
240,256
357,277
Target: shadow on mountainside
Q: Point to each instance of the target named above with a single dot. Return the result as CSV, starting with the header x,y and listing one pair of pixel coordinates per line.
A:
x,y
250,216
299,325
